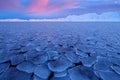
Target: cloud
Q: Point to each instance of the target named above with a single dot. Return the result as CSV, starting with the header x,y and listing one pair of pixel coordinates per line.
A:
x,y
44,7
56,8
35,7
9,4
107,17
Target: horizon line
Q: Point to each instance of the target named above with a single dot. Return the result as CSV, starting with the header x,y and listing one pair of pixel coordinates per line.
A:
x,y
57,20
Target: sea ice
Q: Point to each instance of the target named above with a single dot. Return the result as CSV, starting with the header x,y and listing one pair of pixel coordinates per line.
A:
x,y
5,57
26,66
59,65
102,64
61,78
88,61
4,67
109,75
14,74
74,58
53,55
37,78
42,71
60,51
41,58
82,73
114,60
30,55
17,59
60,74
116,69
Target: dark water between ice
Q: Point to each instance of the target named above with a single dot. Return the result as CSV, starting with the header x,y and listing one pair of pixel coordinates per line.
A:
x,y
59,51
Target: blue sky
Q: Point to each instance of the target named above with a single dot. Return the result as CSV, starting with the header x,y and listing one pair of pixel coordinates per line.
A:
x,y
40,9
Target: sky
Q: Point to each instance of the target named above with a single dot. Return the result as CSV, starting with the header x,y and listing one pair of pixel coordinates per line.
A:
x,y
53,9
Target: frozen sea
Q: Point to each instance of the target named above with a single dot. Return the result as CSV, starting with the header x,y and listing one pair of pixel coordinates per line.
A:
x,y
59,51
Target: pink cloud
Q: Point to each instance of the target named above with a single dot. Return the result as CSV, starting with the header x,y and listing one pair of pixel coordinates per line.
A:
x,y
48,8
43,7
35,7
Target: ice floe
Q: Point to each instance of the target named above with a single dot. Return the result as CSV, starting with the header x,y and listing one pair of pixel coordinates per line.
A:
x,y
42,71
59,65
60,53
26,67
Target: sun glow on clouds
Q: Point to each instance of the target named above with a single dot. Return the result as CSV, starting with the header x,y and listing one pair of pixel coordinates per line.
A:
x,y
35,7
43,7
40,9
